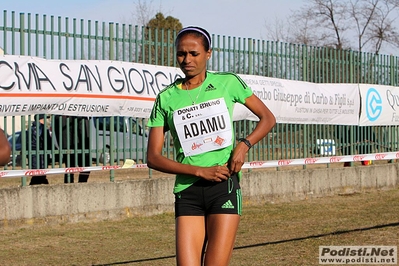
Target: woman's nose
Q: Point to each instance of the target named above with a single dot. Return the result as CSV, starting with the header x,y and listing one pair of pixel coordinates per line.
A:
x,y
187,59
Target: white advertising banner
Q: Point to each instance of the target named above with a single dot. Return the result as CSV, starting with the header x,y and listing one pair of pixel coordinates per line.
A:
x,y
380,105
31,85
304,102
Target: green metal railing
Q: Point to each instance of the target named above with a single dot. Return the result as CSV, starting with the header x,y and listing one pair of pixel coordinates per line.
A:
x,y
65,38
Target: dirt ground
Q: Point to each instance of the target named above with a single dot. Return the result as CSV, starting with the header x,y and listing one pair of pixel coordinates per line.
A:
x,y
288,233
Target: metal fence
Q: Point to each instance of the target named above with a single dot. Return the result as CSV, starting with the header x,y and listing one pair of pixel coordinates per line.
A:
x,y
65,38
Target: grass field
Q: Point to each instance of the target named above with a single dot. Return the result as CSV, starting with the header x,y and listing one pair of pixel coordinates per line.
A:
x,y
287,233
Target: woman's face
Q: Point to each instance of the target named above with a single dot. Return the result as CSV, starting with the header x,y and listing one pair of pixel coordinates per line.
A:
x,y
191,55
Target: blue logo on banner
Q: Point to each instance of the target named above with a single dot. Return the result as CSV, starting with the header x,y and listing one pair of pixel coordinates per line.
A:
x,y
373,104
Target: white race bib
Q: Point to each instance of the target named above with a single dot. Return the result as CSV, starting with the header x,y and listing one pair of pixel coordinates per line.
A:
x,y
203,127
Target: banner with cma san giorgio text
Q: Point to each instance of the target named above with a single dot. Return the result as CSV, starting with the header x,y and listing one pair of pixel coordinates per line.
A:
x,y
31,85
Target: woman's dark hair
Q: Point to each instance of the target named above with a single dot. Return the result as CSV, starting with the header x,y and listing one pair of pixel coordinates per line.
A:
x,y
197,31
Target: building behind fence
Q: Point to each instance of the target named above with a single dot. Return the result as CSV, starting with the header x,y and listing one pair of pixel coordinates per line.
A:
x,y
67,38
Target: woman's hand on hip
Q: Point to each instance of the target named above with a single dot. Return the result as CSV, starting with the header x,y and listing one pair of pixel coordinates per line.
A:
x,y
214,173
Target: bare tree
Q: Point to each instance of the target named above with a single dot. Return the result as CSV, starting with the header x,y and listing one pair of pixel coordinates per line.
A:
x,y
143,11
325,22
303,30
363,25
278,30
374,20
383,29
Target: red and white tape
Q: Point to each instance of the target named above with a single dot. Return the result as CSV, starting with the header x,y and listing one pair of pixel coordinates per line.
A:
x,y
321,160
69,170
248,165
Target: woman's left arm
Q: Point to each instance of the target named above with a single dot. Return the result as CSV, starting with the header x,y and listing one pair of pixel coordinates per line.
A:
x,y
265,124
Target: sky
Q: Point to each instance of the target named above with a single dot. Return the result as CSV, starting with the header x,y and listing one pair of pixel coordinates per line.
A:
x,y
238,18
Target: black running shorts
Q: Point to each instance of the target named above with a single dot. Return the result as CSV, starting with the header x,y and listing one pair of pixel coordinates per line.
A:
x,y
206,197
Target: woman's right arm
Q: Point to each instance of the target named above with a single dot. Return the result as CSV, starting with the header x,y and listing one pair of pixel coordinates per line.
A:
x,y
5,149
157,161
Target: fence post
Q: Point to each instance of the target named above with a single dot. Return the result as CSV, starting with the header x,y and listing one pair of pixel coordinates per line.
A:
x,y
111,31
22,34
250,54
